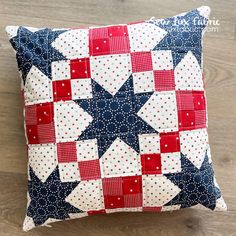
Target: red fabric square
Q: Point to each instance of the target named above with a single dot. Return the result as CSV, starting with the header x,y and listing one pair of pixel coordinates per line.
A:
x,y
186,120
141,61
98,33
118,39
151,163
118,30
199,100
169,142
45,113
44,130
133,200
184,100
112,202
200,119
191,109
99,47
80,68
61,90
46,133
164,80
66,152
31,115
89,169
119,45
122,192
190,100
132,184
112,186
32,134
108,40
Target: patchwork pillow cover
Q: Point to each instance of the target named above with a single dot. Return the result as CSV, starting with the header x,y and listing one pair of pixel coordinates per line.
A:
x,y
115,118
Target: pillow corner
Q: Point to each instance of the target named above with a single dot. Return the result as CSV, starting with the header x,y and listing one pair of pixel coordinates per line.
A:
x,y
11,30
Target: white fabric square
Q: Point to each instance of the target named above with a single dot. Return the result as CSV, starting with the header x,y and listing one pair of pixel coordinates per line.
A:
x,y
87,196
69,172
188,74
158,190
60,70
162,60
160,111
38,87
87,150
149,143
171,162
111,71
81,88
143,82
42,159
120,160
194,144
70,120
144,36
73,43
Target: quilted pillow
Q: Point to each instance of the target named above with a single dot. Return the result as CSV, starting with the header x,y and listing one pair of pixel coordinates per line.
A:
x,y
115,118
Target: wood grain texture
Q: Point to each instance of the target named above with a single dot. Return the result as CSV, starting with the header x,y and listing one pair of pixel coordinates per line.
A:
x,y
220,76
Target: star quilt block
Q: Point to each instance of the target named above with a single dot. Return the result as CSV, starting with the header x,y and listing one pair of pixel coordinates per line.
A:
x,y
115,118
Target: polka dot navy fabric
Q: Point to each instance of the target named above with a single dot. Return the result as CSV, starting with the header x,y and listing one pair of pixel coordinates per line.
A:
x,y
115,118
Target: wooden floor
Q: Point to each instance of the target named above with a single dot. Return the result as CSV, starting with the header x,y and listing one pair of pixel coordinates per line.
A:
x,y
220,76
